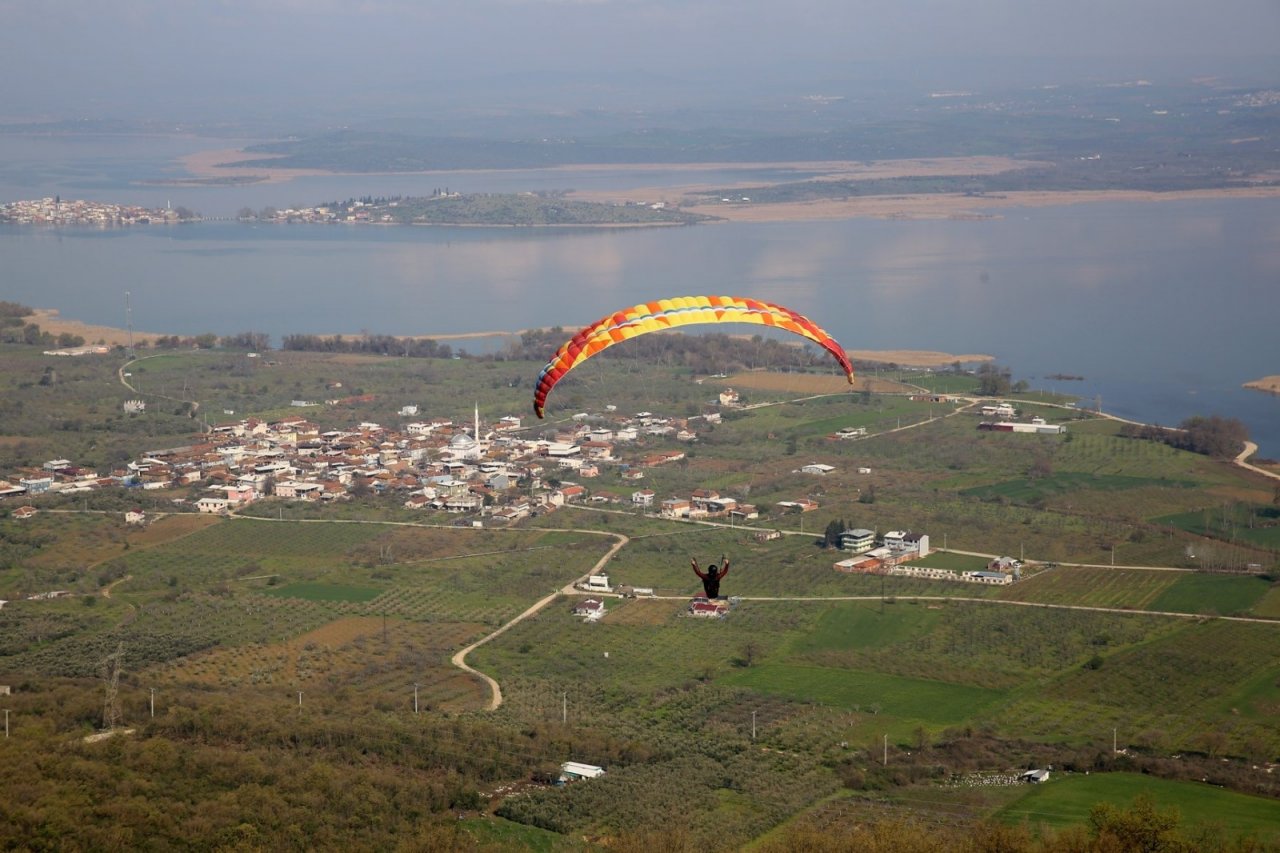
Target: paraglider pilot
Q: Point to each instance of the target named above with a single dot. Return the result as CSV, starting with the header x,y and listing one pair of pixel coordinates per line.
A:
x,y
712,576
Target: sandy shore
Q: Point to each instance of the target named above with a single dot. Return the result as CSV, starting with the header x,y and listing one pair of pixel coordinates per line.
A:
x,y
204,166
1270,384
953,206
220,164
50,320
915,357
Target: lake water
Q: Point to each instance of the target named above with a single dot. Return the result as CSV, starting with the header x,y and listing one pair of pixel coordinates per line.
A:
x,y
1165,308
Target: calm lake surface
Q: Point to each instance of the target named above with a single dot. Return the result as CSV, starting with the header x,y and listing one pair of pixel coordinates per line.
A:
x,y
1164,308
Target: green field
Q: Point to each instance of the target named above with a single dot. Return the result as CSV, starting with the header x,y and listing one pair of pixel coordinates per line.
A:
x,y
1067,799
952,562
1055,485
932,702
1129,589
1252,523
1204,593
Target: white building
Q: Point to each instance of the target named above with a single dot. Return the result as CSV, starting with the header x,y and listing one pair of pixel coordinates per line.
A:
x,y
598,583
572,771
859,540
212,505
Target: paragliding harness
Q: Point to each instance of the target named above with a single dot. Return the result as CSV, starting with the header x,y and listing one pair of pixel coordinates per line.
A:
x,y
711,577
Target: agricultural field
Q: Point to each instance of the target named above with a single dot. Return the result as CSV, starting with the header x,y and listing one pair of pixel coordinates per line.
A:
x,y
1193,688
952,562
1126,589
1253,524
911,701
382,658
1067,800
782,708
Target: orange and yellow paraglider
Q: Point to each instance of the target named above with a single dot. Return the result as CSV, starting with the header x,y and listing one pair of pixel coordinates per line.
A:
x,y
669,313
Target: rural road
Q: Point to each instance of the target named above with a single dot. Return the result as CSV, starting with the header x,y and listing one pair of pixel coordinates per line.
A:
x,y
460,659
1249,449
125,375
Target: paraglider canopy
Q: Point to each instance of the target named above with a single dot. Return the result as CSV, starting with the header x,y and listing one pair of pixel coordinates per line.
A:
x,y
669,313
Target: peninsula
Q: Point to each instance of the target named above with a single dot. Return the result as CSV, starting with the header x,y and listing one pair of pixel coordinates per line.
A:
x,y
443,207
1270,384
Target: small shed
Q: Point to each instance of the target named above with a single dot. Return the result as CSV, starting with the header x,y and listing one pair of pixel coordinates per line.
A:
x,y
572,771
1035,777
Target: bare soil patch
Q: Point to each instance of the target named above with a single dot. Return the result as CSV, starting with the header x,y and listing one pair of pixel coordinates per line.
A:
x,y
170,528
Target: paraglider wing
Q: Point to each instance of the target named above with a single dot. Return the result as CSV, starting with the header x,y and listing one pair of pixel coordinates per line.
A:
x,y
669,313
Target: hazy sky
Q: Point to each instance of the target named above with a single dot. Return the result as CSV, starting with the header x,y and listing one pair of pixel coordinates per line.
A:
x,y
190,58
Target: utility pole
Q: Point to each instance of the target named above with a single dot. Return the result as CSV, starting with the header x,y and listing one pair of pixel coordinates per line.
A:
x,y
415,697
6,722
153,701
753,724
299,701
886,750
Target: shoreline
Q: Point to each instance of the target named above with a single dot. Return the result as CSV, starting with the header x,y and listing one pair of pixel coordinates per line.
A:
x,y
1267,384
221,165
51,320
224,163
955,206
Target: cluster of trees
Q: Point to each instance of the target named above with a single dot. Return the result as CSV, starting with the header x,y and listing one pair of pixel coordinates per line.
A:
x,y
208,340
997,381
831,536
235,774
254,341
369,344
703,353
13,312
14,329
1215,436
33,335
